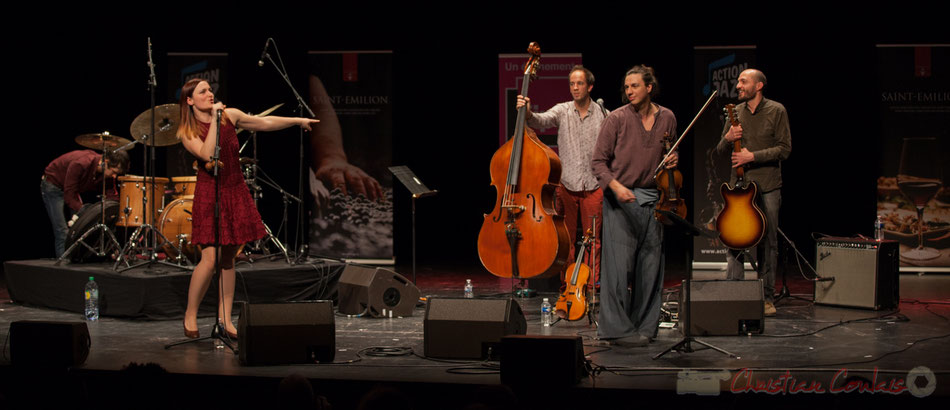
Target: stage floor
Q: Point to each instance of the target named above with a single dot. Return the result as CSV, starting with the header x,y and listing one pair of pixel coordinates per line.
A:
x,y
803,343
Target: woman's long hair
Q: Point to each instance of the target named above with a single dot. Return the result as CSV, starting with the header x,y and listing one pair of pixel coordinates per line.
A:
x,y
188,124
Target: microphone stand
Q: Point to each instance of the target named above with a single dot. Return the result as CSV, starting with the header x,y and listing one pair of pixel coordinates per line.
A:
x,y
685,345
217,331
149,209
302,249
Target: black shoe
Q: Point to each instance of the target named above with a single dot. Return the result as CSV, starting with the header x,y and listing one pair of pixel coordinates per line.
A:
x,y
636,340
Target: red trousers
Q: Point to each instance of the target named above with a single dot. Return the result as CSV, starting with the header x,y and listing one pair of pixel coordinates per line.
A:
x,y
577,208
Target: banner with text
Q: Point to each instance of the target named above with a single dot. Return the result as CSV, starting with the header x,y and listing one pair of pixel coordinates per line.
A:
x,y
351,149
716,68
548,89
913,194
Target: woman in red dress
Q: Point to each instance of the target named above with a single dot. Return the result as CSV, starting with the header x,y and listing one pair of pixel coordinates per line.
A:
x,y
239,220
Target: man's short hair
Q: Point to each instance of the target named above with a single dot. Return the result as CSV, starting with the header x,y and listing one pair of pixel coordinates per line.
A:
x,y
588,76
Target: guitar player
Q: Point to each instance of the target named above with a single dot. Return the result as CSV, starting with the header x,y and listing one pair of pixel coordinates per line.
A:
x,y
766,141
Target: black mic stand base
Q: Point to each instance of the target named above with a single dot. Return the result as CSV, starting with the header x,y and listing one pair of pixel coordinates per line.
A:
x,y
216,334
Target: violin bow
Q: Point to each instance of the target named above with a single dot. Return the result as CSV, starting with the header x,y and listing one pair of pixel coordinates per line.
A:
x,y
680,139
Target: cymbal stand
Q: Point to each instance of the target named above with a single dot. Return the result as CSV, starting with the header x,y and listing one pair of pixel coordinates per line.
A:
x,y
301,240
147,231
252,180
102,249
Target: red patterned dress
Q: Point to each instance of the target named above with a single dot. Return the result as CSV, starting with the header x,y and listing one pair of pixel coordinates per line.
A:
x,y
240,222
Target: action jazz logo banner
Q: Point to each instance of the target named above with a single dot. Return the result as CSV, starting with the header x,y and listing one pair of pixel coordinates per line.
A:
x,y
351,150
914,98
717,68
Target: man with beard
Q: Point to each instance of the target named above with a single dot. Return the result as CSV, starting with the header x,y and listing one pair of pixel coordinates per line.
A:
x,y
766,141
629,148
577,122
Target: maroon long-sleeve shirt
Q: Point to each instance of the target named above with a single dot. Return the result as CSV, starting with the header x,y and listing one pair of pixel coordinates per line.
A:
x,y
75,172
626,151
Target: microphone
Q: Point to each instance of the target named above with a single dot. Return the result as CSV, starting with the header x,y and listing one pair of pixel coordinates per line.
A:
x,y
260,62
600,102
831,279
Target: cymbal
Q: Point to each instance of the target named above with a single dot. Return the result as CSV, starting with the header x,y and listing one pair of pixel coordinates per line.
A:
x,y
101,141
166,126
263,114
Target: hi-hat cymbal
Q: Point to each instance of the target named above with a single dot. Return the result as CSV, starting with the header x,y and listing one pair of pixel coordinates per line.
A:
x,y
166,125
263,114
103,141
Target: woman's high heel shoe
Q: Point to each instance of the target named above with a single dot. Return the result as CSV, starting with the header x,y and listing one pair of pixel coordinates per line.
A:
x,y
191,334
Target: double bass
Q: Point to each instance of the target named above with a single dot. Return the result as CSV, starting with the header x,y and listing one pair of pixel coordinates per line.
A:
x,y
741,224
523,236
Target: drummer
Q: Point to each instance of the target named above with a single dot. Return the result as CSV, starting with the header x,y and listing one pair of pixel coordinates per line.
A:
x,y
70,175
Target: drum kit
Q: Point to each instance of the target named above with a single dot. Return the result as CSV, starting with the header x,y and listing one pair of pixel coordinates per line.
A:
x,y
158,208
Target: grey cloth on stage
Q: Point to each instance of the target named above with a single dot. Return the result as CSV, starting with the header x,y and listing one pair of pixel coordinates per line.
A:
x,y
631,271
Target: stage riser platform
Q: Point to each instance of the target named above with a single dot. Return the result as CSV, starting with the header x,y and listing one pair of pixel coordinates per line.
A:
x,y
161,292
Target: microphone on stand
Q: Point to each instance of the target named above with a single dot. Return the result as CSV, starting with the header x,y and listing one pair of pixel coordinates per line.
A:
x,y
260,62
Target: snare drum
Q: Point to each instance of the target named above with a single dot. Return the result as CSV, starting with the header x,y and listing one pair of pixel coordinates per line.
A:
x,y
175,225
131,190
184,187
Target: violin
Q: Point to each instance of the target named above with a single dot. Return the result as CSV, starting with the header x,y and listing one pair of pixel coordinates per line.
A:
x,y
669,182
523,236
572,305
741,224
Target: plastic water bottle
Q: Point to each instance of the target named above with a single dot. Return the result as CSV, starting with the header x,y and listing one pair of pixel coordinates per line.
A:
x,y
92,300
545,312
879,228
468,289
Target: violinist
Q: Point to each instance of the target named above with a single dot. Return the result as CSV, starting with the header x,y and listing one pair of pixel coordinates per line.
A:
x,y
577,122
766,142
629,148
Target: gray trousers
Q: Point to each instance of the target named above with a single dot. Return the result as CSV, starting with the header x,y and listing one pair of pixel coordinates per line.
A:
x,y
766,253
631,276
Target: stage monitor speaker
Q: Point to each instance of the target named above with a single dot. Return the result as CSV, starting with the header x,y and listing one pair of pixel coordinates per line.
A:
x,y
866,273
287,333
375,292
48,344
470,328
535,360
724,307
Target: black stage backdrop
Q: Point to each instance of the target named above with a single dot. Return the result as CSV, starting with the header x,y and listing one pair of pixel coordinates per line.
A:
x,y
76,76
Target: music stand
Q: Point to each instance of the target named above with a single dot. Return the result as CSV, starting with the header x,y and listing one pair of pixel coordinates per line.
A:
x,y
418,190
685,344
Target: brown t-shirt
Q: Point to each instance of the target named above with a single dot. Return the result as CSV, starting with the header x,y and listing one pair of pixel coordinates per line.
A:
x,y
627,152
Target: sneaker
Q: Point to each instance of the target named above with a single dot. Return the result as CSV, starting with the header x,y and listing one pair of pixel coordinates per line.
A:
x,y
769,309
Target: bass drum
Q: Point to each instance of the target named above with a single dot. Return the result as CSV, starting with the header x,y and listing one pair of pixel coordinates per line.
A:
x,y
89,216
175,225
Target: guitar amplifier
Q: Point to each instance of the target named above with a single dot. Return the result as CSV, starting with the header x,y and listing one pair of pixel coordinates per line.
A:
x,y
864,273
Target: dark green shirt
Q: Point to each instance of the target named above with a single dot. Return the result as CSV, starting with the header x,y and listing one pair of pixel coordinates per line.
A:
x,y
765,133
